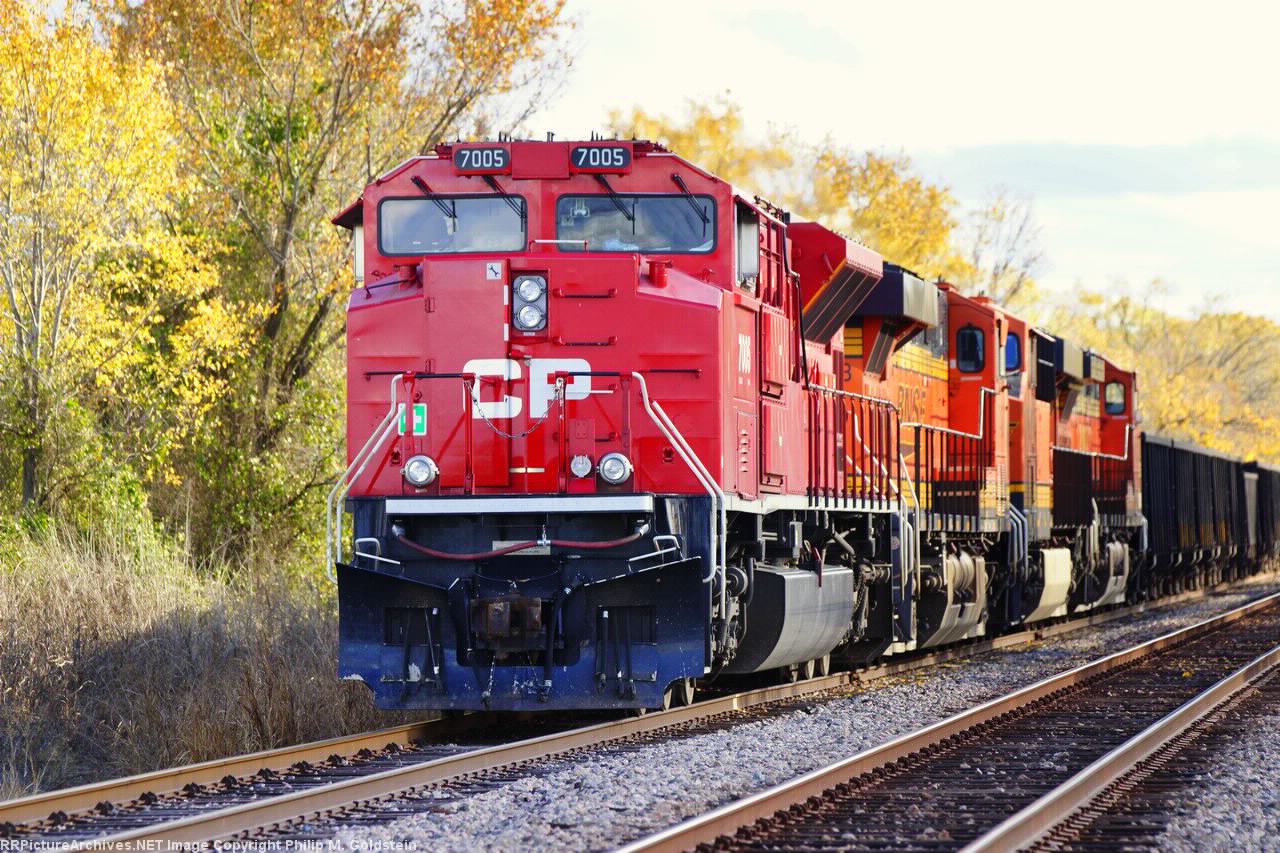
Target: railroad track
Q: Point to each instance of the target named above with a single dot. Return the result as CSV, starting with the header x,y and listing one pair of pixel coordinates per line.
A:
x,y
281,791
1044,761
1126,799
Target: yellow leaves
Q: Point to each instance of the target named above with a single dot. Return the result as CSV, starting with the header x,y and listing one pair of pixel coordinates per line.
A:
x,y
880,201
877,199
110,311
712,137
1210,378
90,143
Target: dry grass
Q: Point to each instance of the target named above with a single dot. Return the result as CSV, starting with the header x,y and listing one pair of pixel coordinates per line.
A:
x,y
120,658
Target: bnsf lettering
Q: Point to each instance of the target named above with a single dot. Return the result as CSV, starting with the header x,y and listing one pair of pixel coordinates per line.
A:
x,y
913,403
481,159
601,157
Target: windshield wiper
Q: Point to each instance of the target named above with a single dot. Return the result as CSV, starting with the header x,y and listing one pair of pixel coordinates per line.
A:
x,y
448,208
517,206
616,199
693,202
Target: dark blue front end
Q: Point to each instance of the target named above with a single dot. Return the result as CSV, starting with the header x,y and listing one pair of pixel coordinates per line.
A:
x,y
546,628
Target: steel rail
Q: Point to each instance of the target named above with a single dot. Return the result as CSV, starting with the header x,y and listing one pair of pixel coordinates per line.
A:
x,y
235,820
1055,808
83,798
86,797
727,819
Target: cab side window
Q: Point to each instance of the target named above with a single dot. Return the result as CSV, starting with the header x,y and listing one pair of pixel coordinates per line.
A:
x,y
1115,401
971,354
1012,354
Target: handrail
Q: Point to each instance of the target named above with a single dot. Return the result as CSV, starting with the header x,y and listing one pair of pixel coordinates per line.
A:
x,y
1128,435
1021,535
857,433
916,519
906,472
334,501
719,512
982,422
854,395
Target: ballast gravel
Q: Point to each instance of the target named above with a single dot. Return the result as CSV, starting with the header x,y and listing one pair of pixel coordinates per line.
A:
x,y
1236,803
607,797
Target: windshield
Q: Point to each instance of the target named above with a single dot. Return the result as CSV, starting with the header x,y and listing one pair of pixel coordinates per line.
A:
x,y
670,224
441,224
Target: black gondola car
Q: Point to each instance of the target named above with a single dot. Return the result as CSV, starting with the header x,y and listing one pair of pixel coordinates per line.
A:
x,y
1197,505
1266,517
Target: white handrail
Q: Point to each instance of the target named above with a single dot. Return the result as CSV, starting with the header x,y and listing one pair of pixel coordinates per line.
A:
x,y
982,420
915,528
852,395
1021,534
334,501
1124,457
719,512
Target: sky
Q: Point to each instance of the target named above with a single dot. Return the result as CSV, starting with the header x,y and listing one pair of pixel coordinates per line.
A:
x,y
1146,134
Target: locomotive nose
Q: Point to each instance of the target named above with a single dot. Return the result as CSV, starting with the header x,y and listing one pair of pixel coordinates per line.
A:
x,y
469,383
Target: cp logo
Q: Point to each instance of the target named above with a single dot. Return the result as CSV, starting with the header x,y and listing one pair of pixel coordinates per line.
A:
x,y
542,384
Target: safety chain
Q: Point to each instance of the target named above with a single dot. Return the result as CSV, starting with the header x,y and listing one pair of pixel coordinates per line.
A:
x,y
559,400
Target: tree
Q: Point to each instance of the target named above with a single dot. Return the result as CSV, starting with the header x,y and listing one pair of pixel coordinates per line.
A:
x,y
875,198
88,259
1003,250
1212,378
712,136
287,109
881,202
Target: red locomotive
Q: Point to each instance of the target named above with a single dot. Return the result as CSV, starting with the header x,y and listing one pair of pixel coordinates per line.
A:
x,y
615,427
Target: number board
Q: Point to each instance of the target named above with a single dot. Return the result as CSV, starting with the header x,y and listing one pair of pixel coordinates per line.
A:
x,y
481,160
600,158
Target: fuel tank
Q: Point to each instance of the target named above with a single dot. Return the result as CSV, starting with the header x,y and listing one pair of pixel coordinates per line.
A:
x,y
794,616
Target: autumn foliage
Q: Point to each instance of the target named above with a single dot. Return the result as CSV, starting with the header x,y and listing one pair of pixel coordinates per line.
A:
x,y
171,313
171,383
1213,378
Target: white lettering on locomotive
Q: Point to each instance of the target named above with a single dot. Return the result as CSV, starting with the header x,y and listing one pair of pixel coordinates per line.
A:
x,y
502,368
542,384
602,157
744,354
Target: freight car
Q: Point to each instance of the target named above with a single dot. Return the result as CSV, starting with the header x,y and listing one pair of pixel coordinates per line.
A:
x,y
616,427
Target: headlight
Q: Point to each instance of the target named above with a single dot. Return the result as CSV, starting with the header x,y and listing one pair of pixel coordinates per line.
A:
x,y
615,468
530,289
420,471
529,303
529,318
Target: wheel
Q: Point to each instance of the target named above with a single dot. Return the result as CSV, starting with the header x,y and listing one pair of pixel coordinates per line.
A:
x,y
678,694
822,666
789,674
807,669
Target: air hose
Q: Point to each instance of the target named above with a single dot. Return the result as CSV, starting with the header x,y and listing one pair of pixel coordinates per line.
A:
x,y
524,546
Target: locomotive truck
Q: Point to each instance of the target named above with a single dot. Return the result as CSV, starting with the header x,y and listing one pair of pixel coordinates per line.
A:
x,y
616,427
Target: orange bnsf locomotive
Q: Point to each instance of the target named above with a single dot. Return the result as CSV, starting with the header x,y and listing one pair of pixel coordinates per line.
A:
x,y
616,427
